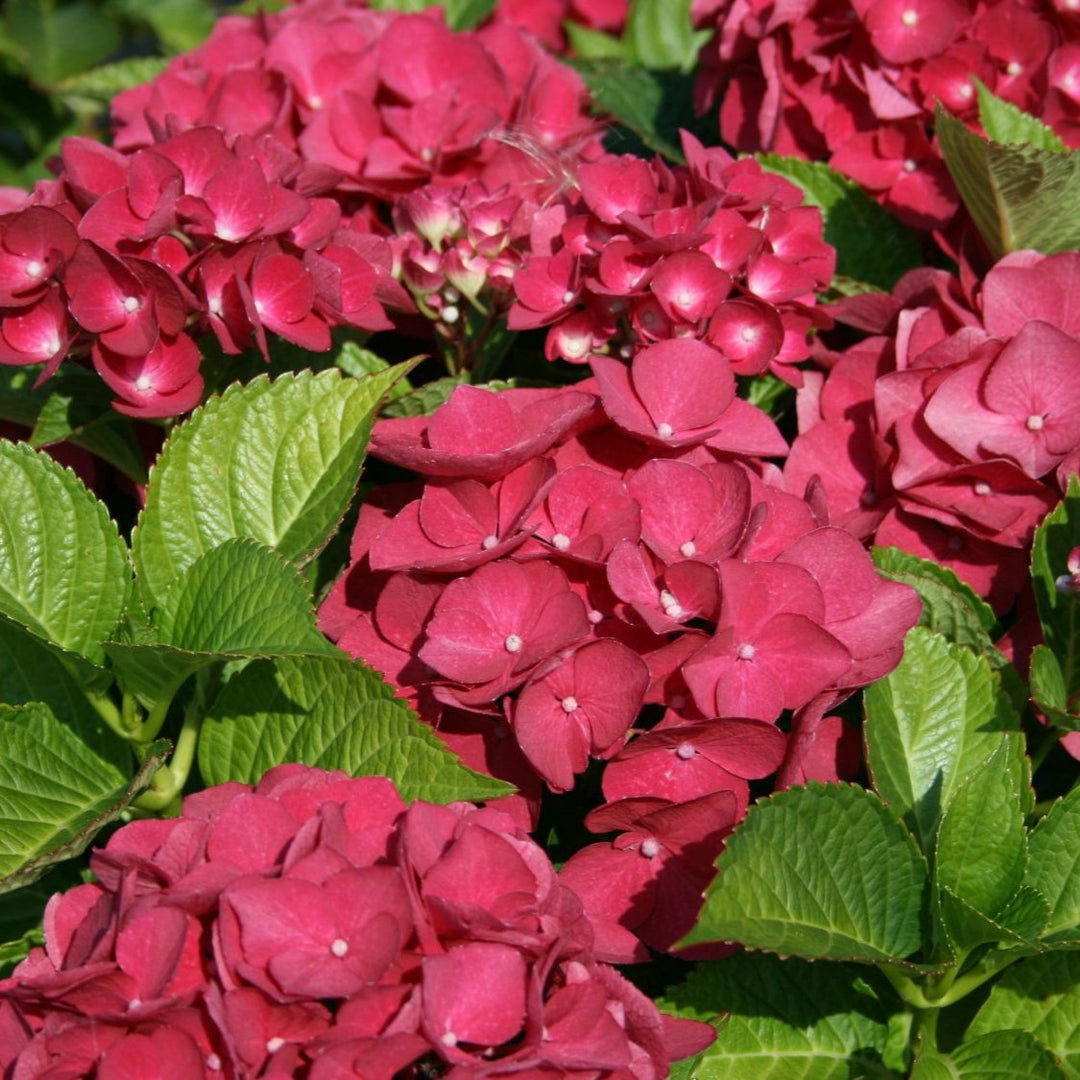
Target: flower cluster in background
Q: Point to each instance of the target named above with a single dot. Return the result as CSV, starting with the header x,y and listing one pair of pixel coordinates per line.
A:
x,y
951,429
316,927
855,83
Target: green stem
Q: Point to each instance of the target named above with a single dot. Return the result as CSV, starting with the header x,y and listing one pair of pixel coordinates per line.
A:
x,y
106,708
170,779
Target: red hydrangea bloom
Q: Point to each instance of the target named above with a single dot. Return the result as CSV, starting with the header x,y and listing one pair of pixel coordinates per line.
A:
x,y
354,933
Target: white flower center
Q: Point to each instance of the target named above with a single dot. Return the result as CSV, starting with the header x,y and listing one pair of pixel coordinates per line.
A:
x,y
274,1044
568,296
315,101
489,542
213,1062
34,269
131,303
1035,422
144,383
910,165
983,488
569,703
671,606
665,431
650,847
909,18
685,751
966,91
595,616
561,541
749,333
259,307
746,652
450,314
427,155
339,947
513,643
688,550
1014,68
448,1039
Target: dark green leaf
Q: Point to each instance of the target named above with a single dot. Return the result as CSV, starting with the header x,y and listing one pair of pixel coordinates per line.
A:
x,y
105,82
424,400
1040,995
60,39
1054,866
1048,690
178,24
997,1055
787,1018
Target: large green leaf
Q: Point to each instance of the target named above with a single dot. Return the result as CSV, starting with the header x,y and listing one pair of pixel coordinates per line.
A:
x,y
1040,995
274,461
105,82
929,723
1054,866
55,792
1019,196
821,871
981,848
64,571
334,713
1059,611
787,1019
871,245
178,24
1049,692
1017,928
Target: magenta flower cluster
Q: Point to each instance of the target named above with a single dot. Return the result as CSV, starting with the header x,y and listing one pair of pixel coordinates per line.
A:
x,y
570,556
316,927
241,195
951,429
855,82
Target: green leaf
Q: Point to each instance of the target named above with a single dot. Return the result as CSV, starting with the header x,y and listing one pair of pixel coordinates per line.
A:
x,y
997,1055
240,598
1048,689
465,14
274,461
786,1019
1016,929
951,607
334,713
55,792
64,571
424,400
1040,995
652,104
33,670
981,847
59,39
1003,122
821,871
179,24
1059,612
105,82
1018,196
661,35
592,44
20,401
871,245
359,362
929,723
1054,866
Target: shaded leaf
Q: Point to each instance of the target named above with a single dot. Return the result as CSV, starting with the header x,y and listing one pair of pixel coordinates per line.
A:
x,y
787,1018
57,40
997,1055
1054,866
